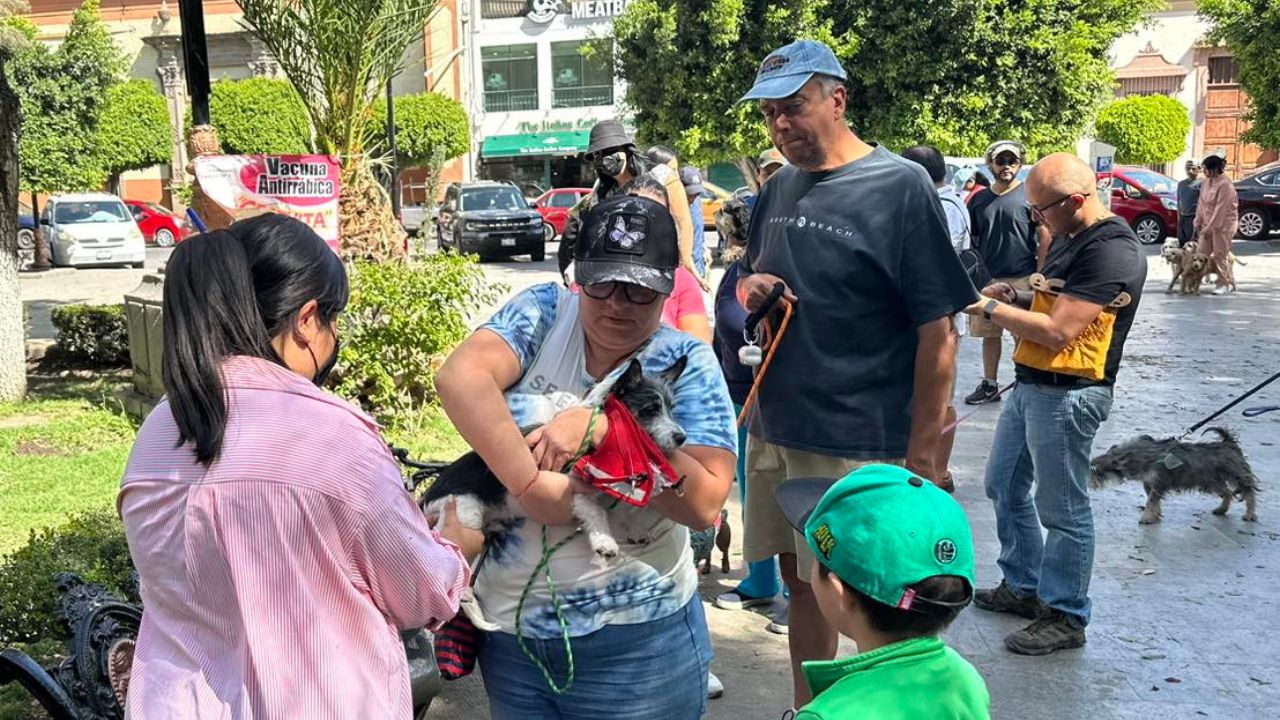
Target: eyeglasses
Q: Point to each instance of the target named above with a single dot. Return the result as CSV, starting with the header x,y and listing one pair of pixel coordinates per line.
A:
x,y
1039,211
1008,162
635,294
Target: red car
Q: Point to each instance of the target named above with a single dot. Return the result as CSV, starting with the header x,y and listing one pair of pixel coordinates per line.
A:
x,y
1147,200
160,225
554,206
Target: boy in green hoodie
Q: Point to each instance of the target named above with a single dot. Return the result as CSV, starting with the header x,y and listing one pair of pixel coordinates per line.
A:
x,y
894,567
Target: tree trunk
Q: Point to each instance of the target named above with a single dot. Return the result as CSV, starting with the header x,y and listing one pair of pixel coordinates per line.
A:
x,y
13,340
367,228
41,249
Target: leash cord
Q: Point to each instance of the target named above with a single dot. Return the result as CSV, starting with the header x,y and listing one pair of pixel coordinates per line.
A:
x,y
981,405
773,340
544,566
1232,404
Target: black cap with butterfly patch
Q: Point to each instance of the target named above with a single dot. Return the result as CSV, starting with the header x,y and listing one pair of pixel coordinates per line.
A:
x,y
628,239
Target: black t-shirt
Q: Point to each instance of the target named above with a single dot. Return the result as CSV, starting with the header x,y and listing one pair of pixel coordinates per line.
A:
x,y
1004,232
1097,265
865,248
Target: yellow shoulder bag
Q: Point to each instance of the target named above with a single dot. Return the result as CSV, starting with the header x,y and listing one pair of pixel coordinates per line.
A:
x,y
1086,355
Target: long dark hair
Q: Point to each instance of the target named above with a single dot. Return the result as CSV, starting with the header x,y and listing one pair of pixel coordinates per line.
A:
x,y
229,292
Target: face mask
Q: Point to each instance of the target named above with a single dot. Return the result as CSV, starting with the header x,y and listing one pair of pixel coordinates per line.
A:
x,y
612,165
322,373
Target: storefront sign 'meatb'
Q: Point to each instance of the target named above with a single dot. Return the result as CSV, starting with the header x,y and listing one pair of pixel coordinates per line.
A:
x,y
544,11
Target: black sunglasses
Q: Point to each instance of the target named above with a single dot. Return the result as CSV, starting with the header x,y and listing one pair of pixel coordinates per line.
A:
x,y
1039,211
1006,163
635,294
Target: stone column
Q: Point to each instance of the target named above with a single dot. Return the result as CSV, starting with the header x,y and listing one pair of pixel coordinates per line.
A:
x,y
261,64
169,68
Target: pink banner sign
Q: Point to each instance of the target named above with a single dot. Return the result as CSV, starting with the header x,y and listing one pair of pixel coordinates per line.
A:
x,y
301,186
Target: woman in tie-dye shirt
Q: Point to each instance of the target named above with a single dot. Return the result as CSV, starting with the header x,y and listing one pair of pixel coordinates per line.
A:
x,y
640,647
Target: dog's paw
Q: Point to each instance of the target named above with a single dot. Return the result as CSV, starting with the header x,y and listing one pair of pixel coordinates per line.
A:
x,y
604,545
1147,519
1220,511
1250,517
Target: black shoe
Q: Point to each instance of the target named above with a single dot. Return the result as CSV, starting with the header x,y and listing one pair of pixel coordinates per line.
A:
x,y
1052,632
986,392
1003,600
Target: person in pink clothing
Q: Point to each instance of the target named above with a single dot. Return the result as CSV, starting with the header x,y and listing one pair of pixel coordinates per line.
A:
x,y
685,309
278,552
1216,219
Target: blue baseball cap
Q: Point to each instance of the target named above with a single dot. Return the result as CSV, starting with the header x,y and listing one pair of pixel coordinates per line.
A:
x,y
787,69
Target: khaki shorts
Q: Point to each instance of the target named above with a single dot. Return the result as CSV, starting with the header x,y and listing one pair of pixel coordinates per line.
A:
x,y
981,327
767,532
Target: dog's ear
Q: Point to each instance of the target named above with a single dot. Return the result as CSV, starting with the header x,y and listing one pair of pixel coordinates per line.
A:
x,y
671,374
630,378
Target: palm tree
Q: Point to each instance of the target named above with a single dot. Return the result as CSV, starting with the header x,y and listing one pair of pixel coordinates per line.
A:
x,y
340,54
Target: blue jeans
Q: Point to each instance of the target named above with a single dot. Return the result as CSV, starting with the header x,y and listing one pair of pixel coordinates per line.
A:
x,y
649,671
1045,435
762,578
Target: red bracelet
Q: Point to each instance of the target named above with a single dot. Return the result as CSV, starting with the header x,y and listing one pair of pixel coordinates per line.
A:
x,y
532,480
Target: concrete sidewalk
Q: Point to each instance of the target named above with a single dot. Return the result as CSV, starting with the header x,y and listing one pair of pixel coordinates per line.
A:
x,y
1183,609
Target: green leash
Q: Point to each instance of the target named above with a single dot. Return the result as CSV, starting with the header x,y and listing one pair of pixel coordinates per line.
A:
x,y
544,566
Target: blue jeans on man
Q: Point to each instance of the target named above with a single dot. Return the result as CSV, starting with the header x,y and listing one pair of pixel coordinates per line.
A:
x,y
1045,438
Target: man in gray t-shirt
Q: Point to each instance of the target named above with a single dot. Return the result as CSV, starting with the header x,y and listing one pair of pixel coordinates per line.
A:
x,y
864,371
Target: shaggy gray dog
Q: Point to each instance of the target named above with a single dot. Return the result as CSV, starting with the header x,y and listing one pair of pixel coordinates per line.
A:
x,y
1216,467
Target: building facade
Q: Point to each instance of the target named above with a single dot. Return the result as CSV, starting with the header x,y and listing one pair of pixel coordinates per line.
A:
x,y
541,75
148,33
1172,56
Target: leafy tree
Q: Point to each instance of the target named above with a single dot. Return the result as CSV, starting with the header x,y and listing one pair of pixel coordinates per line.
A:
x,y
426,123
1250,28
339,57
134,129
62,93
13,367
1145,130
954,73
259,115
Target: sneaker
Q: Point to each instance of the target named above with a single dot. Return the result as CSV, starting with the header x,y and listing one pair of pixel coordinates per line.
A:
x,y
715,688
1053,631
737,601
1002,599
986,392
778,627
1221,290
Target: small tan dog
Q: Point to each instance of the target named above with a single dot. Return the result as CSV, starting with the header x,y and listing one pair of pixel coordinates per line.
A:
x,y
1194,266
1171,252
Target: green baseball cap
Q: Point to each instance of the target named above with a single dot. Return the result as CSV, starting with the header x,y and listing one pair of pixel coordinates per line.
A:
x,y
882,529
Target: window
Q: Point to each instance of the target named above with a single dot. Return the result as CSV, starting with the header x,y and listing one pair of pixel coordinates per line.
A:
x,y
496,198
510,77
1155,182
91,211
497,9
1269,179
578,79
1223,71
563,200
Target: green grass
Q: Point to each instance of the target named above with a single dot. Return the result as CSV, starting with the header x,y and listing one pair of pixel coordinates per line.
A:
x,y
61,452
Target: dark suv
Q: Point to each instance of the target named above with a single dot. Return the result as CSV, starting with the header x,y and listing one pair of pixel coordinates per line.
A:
x,y
490,219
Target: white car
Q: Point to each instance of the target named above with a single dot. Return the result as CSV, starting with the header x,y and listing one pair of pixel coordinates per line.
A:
x,y
92,229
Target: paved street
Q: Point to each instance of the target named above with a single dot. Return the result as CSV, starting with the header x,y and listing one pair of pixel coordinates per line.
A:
x,y
1182,609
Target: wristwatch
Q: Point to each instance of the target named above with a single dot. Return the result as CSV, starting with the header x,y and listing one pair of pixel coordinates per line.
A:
x,y
989,308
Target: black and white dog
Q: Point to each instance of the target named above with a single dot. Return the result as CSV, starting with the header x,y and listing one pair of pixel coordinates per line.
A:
x,y
1164,466
483,501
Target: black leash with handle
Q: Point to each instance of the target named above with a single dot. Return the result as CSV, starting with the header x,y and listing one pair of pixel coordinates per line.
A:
x,y
1248,413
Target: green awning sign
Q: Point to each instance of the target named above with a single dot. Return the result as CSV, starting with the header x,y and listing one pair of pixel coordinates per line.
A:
x,y
558,143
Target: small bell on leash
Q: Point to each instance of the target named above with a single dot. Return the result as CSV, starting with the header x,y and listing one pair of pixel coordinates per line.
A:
x,y
750,355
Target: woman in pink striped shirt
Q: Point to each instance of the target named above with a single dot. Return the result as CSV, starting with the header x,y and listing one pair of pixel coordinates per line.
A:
x,y
278,551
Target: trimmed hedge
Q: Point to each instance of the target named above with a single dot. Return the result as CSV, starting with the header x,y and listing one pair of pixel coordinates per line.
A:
x,y
91,545
96,333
